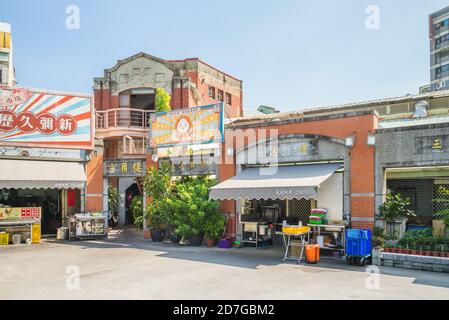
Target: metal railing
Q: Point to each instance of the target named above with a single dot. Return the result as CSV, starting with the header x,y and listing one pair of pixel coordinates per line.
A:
x,y
122,117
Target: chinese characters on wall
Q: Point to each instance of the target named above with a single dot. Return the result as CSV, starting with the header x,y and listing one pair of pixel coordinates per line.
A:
x,y
124,168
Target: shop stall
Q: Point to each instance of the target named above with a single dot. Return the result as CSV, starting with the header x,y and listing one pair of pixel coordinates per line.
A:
x,y
19,225
287,196
87,226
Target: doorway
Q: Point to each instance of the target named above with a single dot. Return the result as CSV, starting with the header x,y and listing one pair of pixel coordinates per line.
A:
x,y
130,193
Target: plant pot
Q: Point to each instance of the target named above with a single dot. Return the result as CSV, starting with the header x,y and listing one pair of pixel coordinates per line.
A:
x,y
435,254
146,234
406,251
413,251
427,253
157,235
196,241
224,243
211,242
387,250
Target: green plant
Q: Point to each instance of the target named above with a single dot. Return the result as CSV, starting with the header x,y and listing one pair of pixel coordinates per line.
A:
x,y
214,225
162,100
378,231
193,209
394,208
136,208
157,186
113,200
443,214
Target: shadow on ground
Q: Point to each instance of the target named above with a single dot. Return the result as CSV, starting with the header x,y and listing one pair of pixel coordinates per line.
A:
x,y
246,257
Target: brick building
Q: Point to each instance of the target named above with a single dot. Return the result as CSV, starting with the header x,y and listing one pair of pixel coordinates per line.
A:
x,y
124,99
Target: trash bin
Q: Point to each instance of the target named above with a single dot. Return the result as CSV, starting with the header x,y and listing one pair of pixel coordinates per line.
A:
x,y
312,253
62,233
16,239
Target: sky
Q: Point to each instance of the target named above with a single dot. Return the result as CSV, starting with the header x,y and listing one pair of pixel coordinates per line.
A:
x,y
290,54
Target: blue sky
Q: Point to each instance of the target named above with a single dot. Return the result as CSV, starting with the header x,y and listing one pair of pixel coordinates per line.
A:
x,y
290,54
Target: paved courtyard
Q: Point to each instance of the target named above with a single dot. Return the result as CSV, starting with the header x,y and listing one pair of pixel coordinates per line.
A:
x,y
127,267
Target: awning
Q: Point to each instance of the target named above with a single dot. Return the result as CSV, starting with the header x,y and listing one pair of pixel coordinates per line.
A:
x,y
282,182
34,174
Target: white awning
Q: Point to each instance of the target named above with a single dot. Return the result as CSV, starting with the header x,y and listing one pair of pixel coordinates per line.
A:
x,y
282,182
34,174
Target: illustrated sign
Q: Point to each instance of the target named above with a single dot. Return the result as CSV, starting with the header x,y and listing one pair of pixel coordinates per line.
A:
x,y
198,125
124,168
20,213
32,118
432,144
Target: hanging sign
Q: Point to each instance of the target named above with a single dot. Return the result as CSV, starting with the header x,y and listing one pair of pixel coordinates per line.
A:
x,y
198,125
41,119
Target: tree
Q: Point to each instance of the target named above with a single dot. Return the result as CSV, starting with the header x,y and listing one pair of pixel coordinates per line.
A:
x,y
162,100
195,213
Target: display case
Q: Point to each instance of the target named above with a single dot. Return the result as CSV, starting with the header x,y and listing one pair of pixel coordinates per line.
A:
x,y
87,226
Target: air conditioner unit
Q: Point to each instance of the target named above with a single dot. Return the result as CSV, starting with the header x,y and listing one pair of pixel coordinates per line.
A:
x,y
440,85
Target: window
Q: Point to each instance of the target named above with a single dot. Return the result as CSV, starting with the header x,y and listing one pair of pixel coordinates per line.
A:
x,y
212,92
220,95
136,71
442,69
228,98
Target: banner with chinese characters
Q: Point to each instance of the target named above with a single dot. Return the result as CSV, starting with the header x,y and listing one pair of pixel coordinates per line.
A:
x,y
42,119
124,168
20,213
198,125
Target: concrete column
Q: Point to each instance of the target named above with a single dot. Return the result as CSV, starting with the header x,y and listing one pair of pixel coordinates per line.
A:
x,y
105,201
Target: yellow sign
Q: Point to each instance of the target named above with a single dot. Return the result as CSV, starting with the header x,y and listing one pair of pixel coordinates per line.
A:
x,y
437,144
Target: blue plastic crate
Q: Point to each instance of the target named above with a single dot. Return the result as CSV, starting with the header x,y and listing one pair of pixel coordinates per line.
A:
x,y
358,242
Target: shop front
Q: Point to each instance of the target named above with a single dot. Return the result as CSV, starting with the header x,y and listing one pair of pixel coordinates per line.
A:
x,y
45,138
308,173
413,161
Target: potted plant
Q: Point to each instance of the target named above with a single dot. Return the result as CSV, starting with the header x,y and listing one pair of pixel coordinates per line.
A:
x,y
213,228
395,211
113,206
157,186
194,209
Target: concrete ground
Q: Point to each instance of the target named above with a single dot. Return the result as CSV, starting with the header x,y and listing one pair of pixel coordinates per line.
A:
x,y
128,267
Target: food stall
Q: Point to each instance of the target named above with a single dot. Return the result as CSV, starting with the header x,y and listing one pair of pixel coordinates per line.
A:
x,y
25,222
84,226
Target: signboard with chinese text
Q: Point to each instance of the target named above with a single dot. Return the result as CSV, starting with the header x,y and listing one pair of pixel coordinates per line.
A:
x,y
431,144
42,119
20,213
124,168
198,125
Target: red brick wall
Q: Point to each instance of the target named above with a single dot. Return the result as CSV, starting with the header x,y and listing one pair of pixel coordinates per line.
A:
x,y
362,158
94,190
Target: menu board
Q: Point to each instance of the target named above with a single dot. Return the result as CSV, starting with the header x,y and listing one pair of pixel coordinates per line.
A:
x,y
20,213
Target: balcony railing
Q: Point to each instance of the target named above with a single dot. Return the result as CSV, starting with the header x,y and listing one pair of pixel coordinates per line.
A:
x,y
122,117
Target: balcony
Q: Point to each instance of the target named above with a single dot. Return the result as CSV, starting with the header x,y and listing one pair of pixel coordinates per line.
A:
x,y
122,121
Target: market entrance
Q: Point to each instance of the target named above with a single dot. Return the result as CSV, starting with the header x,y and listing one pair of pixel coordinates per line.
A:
x,y
131,192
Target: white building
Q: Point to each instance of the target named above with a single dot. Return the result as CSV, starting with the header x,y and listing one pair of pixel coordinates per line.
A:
x,y
7,74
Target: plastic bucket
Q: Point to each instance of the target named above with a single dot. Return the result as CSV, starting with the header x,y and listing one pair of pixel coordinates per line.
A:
x,y
312,253
16,239
62,233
